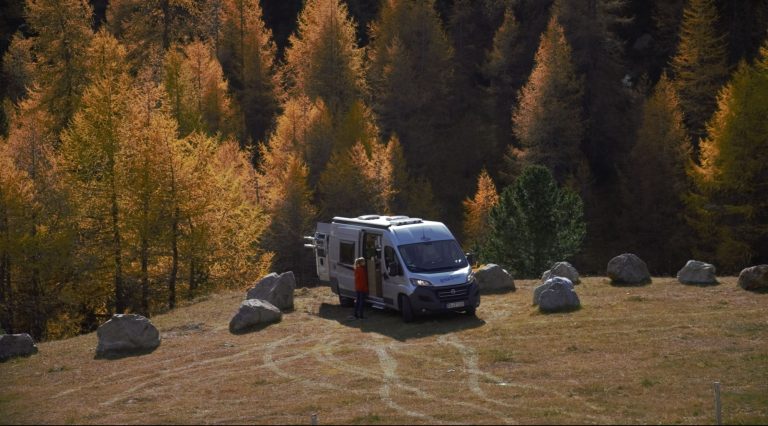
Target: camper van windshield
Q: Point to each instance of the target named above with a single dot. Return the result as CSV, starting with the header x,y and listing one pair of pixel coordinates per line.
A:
x,y
433,256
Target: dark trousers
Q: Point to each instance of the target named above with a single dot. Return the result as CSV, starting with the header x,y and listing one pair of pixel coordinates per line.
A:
x,y
359,303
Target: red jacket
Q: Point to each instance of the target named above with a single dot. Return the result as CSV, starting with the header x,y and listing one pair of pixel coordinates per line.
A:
x,y
361,279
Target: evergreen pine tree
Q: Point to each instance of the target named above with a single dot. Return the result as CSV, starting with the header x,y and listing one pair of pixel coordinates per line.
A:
x,y
534,224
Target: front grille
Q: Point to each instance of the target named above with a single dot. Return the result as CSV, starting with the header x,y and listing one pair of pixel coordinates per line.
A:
x,y
453,293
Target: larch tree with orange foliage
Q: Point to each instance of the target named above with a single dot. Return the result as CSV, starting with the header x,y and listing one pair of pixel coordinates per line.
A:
x,y
476,211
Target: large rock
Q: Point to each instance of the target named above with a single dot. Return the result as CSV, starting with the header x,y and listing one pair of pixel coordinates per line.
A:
x,y
628,269
275,289
547,284
555,295
252,313
698,273
492,277
562,269
754,278
13,345
126,334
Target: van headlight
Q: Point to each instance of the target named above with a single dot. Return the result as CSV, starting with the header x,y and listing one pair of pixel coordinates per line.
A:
x,y
421,283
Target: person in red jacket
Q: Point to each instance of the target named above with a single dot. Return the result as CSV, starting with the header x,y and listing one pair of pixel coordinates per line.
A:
x,y
361,286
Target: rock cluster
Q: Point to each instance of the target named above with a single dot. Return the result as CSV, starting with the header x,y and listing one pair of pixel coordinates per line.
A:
x,y
126,334
492,277
628,269
562,269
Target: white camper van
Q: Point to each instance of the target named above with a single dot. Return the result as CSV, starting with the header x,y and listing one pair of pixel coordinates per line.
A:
x,y
414,266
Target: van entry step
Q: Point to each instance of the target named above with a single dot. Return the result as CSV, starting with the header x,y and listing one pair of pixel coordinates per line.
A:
x,y
377,305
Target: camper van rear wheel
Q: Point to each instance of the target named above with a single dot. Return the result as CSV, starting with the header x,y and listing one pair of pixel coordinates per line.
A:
x,y
346,302
406,310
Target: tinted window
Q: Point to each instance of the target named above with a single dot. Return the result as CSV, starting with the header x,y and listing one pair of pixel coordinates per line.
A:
x,y
347,252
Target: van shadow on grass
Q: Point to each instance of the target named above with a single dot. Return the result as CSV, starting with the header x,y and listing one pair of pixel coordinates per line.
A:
x,y
112,355
388,322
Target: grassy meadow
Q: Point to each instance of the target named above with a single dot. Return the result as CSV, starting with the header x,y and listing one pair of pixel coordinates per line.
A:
x,y
629,355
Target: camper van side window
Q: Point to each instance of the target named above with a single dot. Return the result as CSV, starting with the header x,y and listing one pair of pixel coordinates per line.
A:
x,y
347,252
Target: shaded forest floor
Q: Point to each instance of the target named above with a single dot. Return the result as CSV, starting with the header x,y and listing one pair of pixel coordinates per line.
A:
x,y
630,355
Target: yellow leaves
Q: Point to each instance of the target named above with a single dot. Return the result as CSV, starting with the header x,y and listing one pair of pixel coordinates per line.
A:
x,y
477,209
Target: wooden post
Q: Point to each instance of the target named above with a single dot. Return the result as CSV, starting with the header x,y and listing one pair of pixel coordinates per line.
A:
x,y
718,407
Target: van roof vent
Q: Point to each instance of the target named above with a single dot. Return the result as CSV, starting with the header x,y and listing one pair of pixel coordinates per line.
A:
x,y
406,221
369,217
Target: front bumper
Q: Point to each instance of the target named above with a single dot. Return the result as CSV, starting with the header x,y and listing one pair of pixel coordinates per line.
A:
x,y
445,298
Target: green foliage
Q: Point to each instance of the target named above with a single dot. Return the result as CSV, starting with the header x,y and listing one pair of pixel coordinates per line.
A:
x,y
534,224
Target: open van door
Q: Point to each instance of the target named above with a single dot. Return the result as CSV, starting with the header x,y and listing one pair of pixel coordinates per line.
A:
x,y
319,244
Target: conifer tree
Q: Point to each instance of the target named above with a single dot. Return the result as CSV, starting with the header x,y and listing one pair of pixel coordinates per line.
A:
x,y
534,224
476,211
409,73
92,151
18,67
657,181
323,60
699,67
729,207
63,33
247,56
548,119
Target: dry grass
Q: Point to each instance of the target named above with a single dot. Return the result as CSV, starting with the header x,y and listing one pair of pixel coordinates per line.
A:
x,y
630,355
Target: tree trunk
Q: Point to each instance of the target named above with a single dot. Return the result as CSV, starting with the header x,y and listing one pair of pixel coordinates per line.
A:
x,y
6,292
118,260
174,260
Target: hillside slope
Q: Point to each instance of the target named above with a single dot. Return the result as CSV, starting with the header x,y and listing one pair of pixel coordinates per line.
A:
x,y
630,355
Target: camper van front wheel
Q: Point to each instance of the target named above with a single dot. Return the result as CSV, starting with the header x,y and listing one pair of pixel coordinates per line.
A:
x,y
406,310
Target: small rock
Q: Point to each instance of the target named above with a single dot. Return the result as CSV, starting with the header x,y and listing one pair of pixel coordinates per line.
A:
x,y
698,273
15,345
254,312
628,269
276,289
754,278
493,277
125,334
562,269
558,295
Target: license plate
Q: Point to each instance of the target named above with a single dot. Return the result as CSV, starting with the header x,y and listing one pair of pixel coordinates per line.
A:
x,y
452,305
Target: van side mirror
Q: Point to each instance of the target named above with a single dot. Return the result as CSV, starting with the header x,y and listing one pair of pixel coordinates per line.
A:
x,y
470,258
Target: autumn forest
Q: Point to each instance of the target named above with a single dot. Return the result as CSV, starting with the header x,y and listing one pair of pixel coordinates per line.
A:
x,y
154,151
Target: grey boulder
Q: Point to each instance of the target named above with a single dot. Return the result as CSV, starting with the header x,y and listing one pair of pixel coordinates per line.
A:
x,y
555,295
628,269
493,277
126,334
275,289
562,269
15,345
754,278
697,272
252,313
